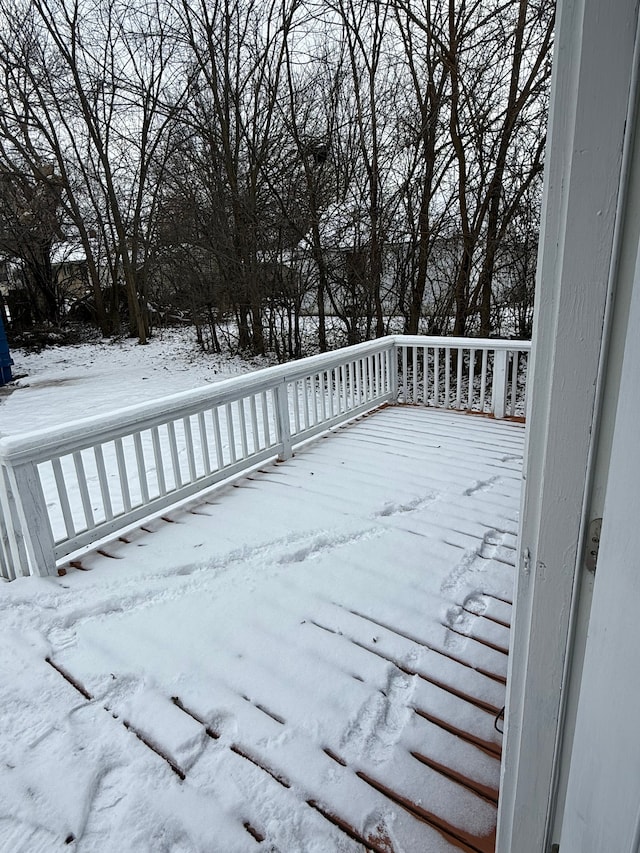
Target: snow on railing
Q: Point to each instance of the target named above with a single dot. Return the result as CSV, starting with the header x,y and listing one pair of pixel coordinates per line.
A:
x,y
63,489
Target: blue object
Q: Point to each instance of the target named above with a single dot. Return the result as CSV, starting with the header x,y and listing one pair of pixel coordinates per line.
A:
x,y
5,358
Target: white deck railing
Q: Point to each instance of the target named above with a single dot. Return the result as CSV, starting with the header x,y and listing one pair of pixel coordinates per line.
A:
x,y
474,375
65,488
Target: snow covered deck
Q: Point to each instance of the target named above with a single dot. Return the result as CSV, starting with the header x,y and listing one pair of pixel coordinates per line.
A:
x,y
310,660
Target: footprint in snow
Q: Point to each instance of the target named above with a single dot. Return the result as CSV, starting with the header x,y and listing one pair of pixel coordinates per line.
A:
x,y
378,725
391,508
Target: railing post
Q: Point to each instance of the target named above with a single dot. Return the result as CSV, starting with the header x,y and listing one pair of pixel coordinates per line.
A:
x,y
33,518
499,383
13,556
282,421
392,355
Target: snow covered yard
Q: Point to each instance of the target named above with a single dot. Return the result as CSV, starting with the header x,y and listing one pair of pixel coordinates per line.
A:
x,y
62,384
311,660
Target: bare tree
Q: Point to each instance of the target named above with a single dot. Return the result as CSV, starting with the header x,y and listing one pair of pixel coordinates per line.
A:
x,y
488,69
34,127
364,27
310,115
237,51
94,86
421,119
487,47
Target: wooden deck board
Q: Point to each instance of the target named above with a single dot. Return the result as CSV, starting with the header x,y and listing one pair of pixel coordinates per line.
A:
x,y
347,685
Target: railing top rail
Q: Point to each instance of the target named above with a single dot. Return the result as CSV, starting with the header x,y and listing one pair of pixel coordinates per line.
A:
x,y
464,343
39,444
86,432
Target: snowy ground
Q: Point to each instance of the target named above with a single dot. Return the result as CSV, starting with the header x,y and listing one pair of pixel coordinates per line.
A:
x,y
62,384
236,677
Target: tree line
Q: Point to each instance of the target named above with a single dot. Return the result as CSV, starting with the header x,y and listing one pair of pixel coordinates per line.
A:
x,y
245,164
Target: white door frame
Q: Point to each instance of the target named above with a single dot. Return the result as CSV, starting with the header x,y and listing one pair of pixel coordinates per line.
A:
x,y
577,268
601,809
